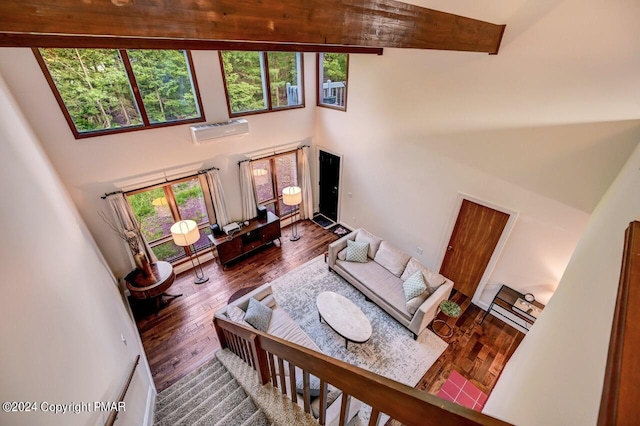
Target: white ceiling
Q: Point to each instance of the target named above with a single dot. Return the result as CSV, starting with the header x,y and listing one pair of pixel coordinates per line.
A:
x,y
556,111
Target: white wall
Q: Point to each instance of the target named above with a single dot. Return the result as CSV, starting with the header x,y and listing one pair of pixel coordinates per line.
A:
x,y
542,128
89,167
62,314
555,376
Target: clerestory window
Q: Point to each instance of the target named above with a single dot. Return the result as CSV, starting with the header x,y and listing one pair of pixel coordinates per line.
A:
x,y
102,91
333,74
258,82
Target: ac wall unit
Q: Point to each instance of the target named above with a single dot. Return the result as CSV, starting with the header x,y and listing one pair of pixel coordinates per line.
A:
x,y
203,133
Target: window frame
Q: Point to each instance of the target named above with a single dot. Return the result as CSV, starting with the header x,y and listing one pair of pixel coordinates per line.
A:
x,y
175,212
137,98
274,183
266,84
319,83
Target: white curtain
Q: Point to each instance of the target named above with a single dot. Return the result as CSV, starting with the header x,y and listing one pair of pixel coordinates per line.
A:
x,y
249,207
127,221
304,180
217,197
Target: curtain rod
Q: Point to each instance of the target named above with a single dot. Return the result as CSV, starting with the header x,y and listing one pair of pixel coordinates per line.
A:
x,y
274,153
199,172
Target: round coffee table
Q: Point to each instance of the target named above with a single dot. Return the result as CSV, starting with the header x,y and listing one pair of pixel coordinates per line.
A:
x,y
343,317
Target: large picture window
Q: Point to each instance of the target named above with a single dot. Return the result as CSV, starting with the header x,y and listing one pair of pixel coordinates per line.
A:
x,y
270,176
107,90
333,74
157,208
262,81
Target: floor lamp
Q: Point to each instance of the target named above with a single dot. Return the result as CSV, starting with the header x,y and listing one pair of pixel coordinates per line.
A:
x,y
292,196
185,233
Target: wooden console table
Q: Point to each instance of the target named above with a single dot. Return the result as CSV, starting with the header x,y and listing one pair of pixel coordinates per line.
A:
x,y
258,233
142,286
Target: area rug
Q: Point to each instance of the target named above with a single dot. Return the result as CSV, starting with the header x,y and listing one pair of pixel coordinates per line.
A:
x,y
461,391
391,350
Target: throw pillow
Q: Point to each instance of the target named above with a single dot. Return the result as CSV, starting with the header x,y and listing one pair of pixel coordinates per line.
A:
x,y
414,286
357,252
364,236
236,314
392,258
433,279
258,315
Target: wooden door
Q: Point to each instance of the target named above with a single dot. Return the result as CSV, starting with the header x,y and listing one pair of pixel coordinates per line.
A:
x,y
329,182
473,240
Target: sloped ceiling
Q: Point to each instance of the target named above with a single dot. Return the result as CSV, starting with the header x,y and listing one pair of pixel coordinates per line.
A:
x,y
557,111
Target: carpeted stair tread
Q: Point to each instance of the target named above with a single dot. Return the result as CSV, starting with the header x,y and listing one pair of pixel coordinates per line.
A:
x,y
195,394
239,414
200,405
257,419
224,407
210,368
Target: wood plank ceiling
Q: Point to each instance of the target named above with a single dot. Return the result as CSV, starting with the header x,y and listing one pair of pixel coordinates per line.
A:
x,y
308,25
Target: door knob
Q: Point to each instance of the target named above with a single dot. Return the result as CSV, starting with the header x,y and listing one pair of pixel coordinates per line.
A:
x,y
449,248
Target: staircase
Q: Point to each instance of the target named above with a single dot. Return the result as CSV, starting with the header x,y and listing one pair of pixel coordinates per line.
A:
x,y
207,396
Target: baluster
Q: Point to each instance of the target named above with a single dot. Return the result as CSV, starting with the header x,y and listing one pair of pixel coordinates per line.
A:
x,y
272,367
322,417
292,383
283,383
375,414
306,394
344,408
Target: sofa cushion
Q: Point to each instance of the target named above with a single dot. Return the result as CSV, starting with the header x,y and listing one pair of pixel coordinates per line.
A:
x,y
258,315
414,286
357,251
392,258
379,281
433,279
367,237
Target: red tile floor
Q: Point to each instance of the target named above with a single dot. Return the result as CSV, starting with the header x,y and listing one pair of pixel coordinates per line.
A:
x,y
459,390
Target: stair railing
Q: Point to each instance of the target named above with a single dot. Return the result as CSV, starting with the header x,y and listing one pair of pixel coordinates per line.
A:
x,y
114,413
271,357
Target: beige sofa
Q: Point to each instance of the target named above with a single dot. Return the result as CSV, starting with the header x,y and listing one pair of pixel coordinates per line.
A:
x,y
281,325
381,277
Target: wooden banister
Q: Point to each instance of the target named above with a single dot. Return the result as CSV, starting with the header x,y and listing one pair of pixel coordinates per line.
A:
x,y
114,414
620,393
402,403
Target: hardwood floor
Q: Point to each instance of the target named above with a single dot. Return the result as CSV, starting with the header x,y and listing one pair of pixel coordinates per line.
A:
x,y
181,336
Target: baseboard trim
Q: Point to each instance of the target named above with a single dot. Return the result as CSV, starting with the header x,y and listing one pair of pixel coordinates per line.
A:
x,y
151,402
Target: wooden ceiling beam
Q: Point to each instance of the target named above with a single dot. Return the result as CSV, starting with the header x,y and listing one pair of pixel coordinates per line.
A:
x,y
97,42
363,23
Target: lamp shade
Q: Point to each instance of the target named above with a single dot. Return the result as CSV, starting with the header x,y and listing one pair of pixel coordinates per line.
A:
x,y
292,195
185,232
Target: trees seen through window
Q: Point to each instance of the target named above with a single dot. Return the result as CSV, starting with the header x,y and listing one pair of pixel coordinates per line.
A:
x,y
96,88
262,81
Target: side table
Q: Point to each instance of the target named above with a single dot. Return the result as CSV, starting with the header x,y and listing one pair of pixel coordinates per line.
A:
x,y
451,310
143,286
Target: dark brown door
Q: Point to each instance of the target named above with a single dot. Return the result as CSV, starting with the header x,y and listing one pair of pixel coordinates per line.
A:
x,y
329,181
473,240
